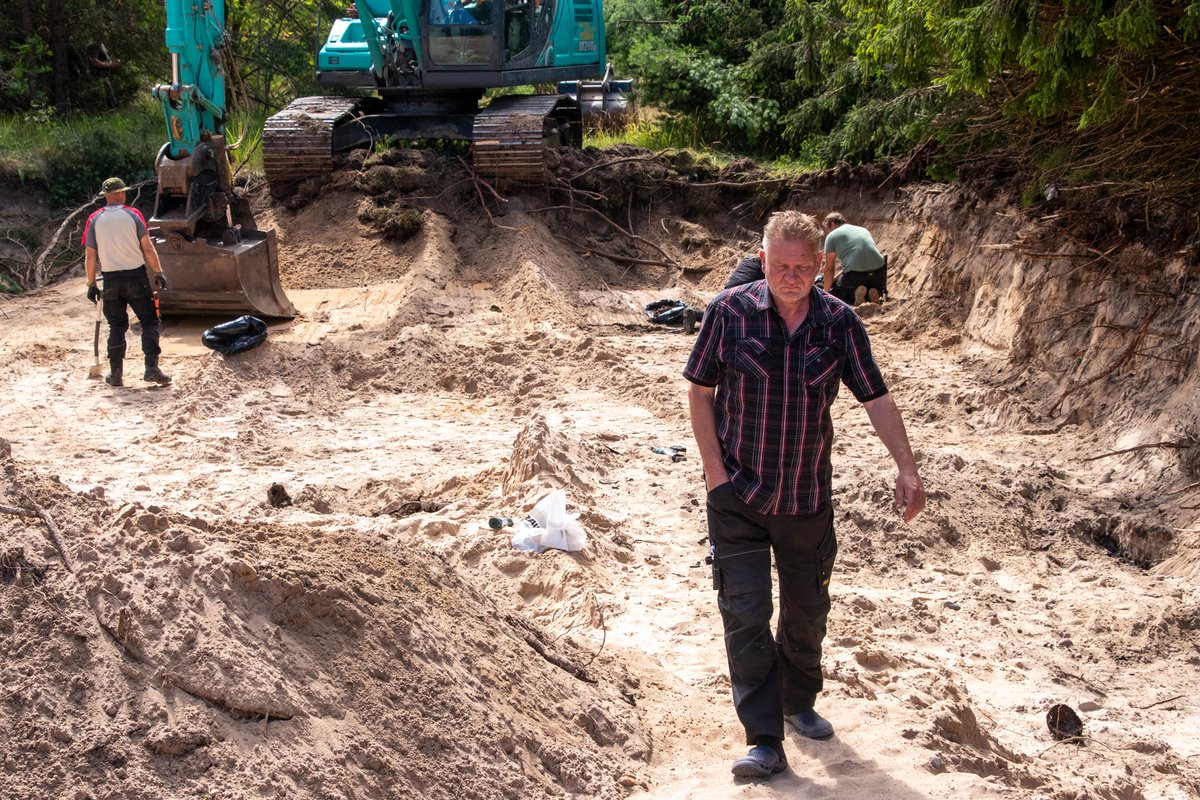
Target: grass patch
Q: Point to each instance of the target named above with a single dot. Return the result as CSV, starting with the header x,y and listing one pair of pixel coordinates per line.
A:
x,y
652,132
70,156
243,138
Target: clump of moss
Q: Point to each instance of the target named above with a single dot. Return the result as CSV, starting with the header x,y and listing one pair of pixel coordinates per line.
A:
x,y
397,223
380,179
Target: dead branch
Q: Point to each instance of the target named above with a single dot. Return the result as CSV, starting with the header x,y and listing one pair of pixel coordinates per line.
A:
x,y
1187,488
615,226
572,191
648,157
1125,357
733,184
1157,703
39,278
618,258
55,534
1177,444
1072,310
18,512
535,639
479,184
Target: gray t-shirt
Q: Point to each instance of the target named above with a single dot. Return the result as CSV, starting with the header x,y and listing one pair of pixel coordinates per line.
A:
x,y
855,248
116,232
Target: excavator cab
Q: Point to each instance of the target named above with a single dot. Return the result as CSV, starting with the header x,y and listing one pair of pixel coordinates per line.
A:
x,y
215,259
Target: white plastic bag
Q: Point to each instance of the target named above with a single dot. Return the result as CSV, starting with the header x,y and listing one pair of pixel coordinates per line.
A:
x,y
548,525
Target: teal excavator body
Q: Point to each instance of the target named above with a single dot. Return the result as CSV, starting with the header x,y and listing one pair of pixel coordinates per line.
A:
x,y
427,64
215,258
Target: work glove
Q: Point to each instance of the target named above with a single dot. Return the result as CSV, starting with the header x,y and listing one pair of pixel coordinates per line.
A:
x,y
93,292
160,281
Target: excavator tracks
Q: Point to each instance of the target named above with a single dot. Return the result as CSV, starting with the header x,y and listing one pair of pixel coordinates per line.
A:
x,y
512,133
298,141
508,143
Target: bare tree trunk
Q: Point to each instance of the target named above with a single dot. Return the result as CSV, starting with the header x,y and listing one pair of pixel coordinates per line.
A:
x,y
62,65
28,30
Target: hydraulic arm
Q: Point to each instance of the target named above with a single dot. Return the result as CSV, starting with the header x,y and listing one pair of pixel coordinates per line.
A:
x,y
215,258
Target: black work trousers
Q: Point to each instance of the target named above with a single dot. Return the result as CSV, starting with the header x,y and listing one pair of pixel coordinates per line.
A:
x,y
771,677
847,282
122,291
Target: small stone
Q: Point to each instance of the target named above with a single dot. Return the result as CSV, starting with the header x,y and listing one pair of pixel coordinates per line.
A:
x,y
242,569
937,764
1065,643
1089,705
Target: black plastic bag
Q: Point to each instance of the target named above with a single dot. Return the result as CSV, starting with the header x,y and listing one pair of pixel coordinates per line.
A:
x,y
666,312
236,335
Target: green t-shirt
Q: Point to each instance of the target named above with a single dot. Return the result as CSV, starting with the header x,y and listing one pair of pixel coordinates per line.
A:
x,y
854,247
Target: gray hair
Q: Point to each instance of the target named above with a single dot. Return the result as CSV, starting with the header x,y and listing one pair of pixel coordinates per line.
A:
x,y
792,226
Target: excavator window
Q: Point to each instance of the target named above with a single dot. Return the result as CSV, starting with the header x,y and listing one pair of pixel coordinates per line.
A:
x,y
461,33
527,25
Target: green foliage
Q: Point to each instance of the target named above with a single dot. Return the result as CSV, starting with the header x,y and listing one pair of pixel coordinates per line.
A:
x,y
77,165
695,66
73,155
9,285
273,60
31,78
991,83
243,136
397,223
20,67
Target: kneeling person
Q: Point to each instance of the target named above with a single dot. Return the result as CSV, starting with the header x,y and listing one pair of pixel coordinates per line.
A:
x,y
864,268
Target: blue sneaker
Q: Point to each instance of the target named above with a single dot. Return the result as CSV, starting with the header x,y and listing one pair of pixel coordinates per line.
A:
x,y
760,762
812,725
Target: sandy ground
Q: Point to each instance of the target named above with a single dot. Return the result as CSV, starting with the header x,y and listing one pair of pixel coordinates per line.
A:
x,y
370,637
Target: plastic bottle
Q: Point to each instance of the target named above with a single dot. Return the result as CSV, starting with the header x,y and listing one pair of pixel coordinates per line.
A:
x,y
676,453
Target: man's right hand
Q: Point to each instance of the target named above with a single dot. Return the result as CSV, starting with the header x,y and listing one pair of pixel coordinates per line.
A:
x,y
93,293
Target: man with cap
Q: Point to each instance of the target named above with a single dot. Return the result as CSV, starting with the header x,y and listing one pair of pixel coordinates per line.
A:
x,y
116,240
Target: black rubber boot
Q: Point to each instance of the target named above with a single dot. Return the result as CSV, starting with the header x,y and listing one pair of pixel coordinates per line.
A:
x,y
113,378
153,373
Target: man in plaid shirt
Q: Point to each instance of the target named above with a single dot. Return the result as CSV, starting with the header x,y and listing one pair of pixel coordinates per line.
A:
x,y
763,374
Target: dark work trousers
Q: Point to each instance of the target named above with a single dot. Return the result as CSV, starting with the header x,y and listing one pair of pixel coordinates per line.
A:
x,y
771,678
847,282
124,290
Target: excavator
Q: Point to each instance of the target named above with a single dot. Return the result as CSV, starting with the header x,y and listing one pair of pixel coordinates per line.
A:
x,y
396,70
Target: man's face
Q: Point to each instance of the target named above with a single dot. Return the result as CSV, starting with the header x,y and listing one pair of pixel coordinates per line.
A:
x,y
790,268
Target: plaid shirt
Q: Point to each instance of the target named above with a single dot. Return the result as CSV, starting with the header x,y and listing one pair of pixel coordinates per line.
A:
x,y
774,392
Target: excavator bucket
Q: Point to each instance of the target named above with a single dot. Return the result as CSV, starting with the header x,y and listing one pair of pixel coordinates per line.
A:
x,y
604,104
211,278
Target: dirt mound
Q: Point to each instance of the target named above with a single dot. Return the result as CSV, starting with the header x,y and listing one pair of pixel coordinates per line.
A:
x,y
371,664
